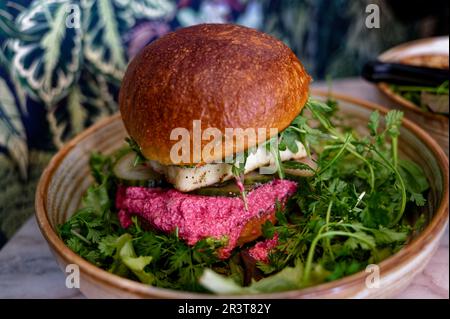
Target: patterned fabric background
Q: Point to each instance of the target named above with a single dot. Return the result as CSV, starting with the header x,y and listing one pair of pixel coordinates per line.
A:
x,y
58,76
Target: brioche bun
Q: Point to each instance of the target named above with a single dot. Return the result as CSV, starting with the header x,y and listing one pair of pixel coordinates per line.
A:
x,y
225,75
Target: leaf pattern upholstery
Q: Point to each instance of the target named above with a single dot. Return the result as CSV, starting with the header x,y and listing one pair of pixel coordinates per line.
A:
x,y
12,132
48,65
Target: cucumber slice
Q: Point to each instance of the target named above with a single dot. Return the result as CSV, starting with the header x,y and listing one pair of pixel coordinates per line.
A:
x,y
135,175
302,172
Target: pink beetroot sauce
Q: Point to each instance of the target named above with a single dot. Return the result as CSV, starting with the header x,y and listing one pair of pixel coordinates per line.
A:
x,y
199,217
260,251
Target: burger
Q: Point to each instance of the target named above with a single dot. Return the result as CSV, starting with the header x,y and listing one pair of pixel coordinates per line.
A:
x,y
231,80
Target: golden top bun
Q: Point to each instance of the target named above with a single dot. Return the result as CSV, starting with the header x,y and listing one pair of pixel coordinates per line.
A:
x,y
225,75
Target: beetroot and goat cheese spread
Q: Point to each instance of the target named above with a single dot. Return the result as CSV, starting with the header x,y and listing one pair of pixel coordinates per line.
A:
x,y
260,252
198,217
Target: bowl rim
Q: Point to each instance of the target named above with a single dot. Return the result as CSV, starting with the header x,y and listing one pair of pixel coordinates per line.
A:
x,y
384,87
433,230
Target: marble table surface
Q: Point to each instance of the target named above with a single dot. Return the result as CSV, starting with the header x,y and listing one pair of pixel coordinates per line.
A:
x,y
28,269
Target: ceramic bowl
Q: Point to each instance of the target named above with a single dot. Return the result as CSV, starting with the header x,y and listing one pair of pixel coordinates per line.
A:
x,y
67,176
435,124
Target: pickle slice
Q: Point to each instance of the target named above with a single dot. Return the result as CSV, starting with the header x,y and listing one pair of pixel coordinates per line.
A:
x,y
230,189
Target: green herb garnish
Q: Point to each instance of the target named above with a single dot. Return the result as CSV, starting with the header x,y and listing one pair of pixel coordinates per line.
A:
x,y
140,158
238,170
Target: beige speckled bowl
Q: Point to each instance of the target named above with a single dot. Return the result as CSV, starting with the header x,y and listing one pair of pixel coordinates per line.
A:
x,y
67,176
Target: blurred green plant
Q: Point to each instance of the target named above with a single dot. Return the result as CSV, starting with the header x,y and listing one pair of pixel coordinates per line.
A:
x,y
69,56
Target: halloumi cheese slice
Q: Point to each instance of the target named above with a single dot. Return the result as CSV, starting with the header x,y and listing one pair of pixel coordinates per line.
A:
x,y
186,179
